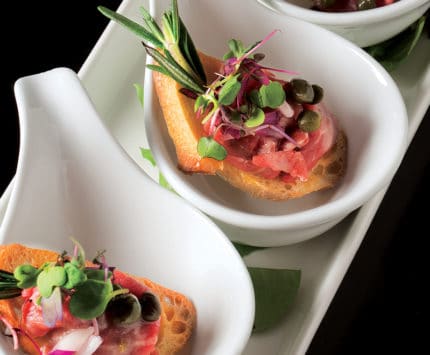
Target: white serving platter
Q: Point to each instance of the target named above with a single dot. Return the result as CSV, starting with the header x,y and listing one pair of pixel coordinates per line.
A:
x,y
117,62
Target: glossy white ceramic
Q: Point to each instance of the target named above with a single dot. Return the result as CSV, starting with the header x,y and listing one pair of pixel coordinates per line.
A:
x,y
358,91
364,28
323,260
74,179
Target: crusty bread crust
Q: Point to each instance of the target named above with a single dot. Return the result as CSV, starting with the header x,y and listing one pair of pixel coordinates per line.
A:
x,y
178,317
185,131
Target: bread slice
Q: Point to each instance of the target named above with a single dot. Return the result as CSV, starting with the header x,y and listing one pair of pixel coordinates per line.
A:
x,y
178,316
185,131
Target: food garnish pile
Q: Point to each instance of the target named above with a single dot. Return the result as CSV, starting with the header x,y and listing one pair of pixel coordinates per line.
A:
x,y
60,304
268,136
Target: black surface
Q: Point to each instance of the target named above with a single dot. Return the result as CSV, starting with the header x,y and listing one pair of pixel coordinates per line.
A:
x,y
381,304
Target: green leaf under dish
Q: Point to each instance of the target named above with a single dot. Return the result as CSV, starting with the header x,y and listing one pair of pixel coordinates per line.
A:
x,y
395,50
275,291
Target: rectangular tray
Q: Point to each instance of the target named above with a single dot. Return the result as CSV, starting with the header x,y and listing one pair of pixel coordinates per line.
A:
x,y
117,62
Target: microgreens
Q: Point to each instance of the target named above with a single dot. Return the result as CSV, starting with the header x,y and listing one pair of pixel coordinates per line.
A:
x,y
237,49
210,148
139,93
172,46
90,288
176,56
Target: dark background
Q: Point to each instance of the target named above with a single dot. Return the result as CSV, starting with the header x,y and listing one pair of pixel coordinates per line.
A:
x,y
382,303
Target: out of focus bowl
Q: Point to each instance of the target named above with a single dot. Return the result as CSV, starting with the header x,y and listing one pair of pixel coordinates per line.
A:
x,y
364,28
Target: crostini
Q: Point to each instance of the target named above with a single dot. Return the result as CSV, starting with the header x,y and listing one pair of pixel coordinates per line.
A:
x,y
268,136
55,304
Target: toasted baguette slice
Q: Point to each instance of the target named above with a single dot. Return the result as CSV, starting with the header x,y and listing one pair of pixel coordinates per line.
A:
x,y
185,131
178,316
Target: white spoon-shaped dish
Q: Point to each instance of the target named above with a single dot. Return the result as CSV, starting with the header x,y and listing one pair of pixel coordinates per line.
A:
x,y
73,179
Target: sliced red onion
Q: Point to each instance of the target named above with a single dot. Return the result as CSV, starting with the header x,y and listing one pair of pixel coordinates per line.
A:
x,y
52,308
276,129
271,117
286,110
93,343
96,326
12,332
78,342
233,132
264,40
215,120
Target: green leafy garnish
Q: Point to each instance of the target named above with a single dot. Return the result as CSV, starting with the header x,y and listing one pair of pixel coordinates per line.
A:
x,y
275,291
26,275
246,249
50,277
75,276
90,299
210,148
8,285
173,48
229,91
255,118
139,93
237,49
147,154
164,183
272,95
90,288
395,50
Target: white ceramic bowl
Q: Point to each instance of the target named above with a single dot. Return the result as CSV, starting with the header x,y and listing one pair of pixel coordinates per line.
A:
x,y
364,28
73,179
358,91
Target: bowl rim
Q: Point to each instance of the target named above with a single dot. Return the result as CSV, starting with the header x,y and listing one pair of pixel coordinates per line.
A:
x,y
348,19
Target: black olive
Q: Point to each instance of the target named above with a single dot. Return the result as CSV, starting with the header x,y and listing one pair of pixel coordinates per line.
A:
x,y
150,306
123,309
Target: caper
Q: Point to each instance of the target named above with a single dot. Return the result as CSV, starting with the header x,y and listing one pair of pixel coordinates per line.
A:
x,y
258,57
309,120
123,309
150,307
365,4
318,94
326,3
302,91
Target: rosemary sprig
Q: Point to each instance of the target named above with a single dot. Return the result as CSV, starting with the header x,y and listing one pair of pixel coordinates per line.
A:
x,y
8,285
171,46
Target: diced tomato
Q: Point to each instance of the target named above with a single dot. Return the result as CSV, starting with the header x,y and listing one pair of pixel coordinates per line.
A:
x,y
288,179
32,318
139,338
248,166
243,147
300,137
384,2
321,140
291,162
125,281
267,145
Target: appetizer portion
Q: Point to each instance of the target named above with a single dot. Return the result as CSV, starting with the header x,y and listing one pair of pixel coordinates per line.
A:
x,y
265,135
56,304
348,5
